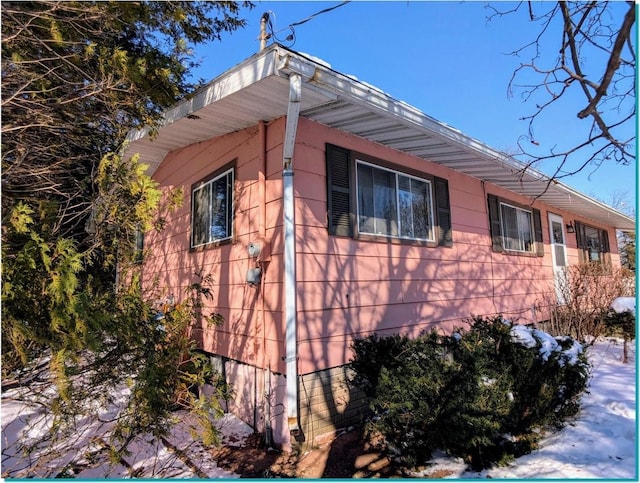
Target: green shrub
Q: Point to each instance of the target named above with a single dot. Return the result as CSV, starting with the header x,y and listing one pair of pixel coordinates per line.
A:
x,y
621,324
480,394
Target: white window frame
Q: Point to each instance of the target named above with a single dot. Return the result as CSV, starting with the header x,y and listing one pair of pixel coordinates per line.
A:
x,y
521,239
431,225
230,209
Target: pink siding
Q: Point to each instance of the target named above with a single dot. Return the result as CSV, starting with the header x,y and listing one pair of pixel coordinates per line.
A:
x,y
350,288
252,331
346,288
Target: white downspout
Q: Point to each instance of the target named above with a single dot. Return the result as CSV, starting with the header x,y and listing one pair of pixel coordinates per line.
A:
x,y
290,293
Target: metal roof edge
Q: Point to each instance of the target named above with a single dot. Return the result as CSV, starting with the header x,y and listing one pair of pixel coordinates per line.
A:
x,y
327,78
277,60
222,85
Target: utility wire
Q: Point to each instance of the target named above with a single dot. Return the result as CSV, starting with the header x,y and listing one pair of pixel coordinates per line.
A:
x,y
292,36
318,13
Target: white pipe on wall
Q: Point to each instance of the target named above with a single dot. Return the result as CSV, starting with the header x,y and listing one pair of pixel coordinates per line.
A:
x,y
290,308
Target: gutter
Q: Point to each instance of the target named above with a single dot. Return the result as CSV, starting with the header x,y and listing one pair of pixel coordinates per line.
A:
x,y
290,292
556,194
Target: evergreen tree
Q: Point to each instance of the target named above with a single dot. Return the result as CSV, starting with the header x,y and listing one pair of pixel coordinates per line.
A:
x,y
76,77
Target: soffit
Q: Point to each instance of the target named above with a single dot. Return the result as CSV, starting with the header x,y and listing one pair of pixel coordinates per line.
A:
x,y
493,168
258,90
239,98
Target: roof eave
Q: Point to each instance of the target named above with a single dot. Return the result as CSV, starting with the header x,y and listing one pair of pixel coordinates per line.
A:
x,y
376,100
325,88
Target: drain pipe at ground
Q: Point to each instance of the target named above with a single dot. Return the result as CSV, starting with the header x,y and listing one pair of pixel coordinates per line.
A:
x,y
290,294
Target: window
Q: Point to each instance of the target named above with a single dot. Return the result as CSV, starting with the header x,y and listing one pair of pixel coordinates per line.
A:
x,y
371,198
393,204
515,229
593,243
212,209
138,250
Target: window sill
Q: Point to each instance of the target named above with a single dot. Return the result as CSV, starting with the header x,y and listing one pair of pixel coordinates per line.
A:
x,y
394,240
512,253
211,245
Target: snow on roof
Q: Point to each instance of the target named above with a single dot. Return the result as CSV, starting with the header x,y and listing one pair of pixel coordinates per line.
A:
x,y
317,60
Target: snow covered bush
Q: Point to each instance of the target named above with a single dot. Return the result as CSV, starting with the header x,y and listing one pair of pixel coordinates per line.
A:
x,y
482,394
620,321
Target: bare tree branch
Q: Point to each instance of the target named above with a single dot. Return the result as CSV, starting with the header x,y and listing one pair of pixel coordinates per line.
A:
x,y
586,31
613,64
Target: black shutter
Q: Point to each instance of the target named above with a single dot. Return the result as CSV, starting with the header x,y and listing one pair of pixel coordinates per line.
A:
x,y
581,241
443,212
605,241
338,196
605,251
580,236
494,223
537,230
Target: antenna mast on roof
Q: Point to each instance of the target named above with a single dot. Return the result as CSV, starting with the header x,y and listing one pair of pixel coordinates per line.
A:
x,y
263,31
266,23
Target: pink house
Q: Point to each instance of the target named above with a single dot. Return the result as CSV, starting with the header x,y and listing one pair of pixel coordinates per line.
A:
x,y
326,210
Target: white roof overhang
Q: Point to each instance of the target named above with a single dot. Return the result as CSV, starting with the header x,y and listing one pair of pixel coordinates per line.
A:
x,y
258,90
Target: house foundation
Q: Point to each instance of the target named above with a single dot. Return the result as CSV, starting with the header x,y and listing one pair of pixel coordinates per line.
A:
x,y
328,402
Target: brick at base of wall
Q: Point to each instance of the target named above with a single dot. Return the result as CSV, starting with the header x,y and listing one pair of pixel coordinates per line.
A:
x,y
328,403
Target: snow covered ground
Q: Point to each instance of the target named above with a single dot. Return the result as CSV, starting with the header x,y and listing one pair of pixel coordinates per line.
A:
x,y
601,443
82,452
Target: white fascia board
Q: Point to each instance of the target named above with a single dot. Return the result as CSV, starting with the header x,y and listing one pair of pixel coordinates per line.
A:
x,y
249,72
232,81
292,64
252,70
372,98
135,135
368,96
289,63
617,219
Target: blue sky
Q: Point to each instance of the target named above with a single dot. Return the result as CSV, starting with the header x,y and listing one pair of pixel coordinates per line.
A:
x,y
445,58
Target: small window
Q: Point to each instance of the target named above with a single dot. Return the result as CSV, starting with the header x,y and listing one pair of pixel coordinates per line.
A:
x,y
593,243
138,248
212,210
393,204
515,229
